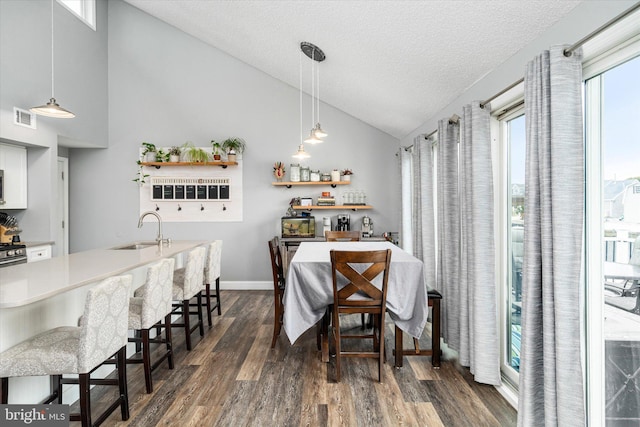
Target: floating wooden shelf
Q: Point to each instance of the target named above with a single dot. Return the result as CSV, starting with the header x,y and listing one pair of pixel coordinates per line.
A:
x,y
352,207
289,184
157,165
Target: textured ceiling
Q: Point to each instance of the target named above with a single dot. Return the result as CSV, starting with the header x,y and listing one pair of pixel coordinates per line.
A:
x,y
391,64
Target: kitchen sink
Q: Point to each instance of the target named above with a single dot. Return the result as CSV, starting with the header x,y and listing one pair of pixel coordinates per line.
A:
x,y
136,245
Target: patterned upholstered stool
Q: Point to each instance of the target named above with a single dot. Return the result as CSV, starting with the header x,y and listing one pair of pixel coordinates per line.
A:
x,y
150,305
80,350
187,286
211,275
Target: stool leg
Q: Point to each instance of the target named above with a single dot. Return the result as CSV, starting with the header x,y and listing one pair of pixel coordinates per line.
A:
x,y
146,360
207,295
56,389
85,400
200,318
4,390
218,296
167,334
187,326
435,337
122,381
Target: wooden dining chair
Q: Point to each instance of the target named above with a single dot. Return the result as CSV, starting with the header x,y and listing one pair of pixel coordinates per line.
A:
x,y
360,295
342,236
278,287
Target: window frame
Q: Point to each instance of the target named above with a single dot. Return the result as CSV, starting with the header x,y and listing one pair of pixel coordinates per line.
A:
x,y
88,13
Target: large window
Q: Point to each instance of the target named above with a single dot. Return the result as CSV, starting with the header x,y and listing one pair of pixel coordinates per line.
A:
x,y
513,147
613,125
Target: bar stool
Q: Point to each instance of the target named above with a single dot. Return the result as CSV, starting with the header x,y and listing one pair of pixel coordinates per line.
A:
x,y
211,275
187,286
152,303
101,335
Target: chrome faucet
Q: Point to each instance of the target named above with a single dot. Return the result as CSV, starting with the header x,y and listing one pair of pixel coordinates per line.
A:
x,y
159,239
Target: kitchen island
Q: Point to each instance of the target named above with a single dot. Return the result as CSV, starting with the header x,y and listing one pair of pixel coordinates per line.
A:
x,y
39,296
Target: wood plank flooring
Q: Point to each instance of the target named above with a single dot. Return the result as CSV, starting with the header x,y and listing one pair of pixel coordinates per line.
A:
x,y
233,378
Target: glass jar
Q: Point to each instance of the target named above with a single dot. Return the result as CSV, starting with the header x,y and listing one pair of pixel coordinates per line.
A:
x,y
335,175
294,172
325,177
305,176
314,175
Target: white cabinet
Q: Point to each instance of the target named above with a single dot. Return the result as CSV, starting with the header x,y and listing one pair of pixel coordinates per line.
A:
x,y
38,253
13,161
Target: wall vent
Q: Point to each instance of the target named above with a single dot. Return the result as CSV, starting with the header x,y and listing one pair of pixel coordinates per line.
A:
x,y
24,118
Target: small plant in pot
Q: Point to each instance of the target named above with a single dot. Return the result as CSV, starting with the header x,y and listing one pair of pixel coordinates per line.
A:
x,y
346,175
149,152
195,154
217,150
161,156
233,146
174,154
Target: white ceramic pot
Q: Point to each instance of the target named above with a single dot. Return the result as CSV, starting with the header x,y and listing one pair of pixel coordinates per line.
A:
x,y
151,156
175,158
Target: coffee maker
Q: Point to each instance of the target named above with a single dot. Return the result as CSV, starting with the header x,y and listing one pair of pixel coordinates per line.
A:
x,y
343,223
367,226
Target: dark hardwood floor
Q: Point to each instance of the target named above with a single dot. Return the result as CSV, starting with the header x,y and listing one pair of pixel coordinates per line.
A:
x,y
233,378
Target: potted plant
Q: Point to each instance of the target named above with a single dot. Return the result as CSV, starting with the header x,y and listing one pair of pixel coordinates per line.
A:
x,y
195,154
233,146
140,176
161,156
174,154
346,175
217,150
149,152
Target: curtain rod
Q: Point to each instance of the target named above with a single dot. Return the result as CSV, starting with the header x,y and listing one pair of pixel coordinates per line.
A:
x,y
567,52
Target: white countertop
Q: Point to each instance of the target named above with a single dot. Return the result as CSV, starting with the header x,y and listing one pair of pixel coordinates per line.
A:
x,y
27,283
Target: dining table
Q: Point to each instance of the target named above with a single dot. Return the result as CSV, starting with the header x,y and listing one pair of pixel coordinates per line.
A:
x,y
309,288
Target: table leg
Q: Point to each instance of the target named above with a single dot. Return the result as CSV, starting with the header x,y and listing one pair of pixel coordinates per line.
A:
x,y
399,352
324,337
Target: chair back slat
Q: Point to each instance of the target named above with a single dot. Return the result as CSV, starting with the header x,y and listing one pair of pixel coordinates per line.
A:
x,y
276,263
342,236
360,284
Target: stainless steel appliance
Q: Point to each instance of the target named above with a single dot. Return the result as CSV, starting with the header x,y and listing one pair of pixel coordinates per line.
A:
x,y
343,223
367,226
12,254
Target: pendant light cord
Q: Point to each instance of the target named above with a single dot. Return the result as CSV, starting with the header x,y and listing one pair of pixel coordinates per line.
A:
x,y
318,94
313,89
300,73
52,57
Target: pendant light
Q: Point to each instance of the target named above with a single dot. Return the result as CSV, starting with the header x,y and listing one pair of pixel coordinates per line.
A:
x,y
51,108
300,154
316,55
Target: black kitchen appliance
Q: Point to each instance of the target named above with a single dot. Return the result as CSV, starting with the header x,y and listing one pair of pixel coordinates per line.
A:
x,y
343,223
12,254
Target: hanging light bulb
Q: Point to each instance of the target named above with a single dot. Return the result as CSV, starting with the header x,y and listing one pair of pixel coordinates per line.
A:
x,y
301,154
51,108
318,132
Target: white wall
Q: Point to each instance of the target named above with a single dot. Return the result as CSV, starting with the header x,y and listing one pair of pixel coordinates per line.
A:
x,y
25,81
167,88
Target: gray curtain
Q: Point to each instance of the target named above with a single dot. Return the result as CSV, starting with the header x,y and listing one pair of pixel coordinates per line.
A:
x,y
551,386
406,203
479,334
423,221
448,277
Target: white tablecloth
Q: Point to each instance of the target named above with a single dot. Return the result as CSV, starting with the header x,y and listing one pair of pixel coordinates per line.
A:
x,y
309,289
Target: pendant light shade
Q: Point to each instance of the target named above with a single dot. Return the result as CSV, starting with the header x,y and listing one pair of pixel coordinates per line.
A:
x,y
313,138
301,154
52,108
318,132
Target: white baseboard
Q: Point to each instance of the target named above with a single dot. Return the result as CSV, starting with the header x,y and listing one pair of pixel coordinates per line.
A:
x,y
247,286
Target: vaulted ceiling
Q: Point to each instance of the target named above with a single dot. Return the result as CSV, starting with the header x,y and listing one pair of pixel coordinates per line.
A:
x,y
391,64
